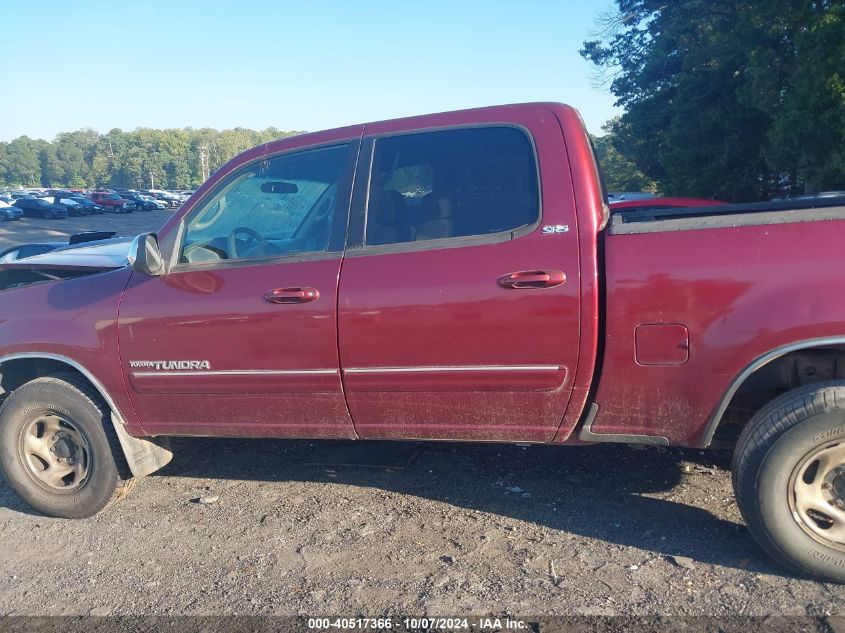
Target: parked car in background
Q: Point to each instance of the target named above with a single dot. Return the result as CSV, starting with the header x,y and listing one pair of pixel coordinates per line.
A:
x,y
156,204
112,202
165,196
40,208
92,206
141,204
10,212
59,193
74,209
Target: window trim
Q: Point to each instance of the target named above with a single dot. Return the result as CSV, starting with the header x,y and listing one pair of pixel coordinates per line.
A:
x,y
337,232
356,243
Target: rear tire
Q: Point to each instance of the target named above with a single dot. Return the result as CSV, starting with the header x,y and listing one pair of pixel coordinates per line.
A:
x,y
58,447
789,479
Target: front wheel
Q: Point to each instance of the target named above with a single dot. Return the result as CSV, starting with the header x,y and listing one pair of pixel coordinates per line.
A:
x,y
58,448
789,479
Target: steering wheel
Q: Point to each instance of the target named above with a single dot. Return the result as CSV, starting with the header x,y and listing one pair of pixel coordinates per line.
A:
x,y
256,240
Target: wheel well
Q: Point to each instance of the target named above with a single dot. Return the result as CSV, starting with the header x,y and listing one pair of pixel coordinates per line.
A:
x,y
18,371
143,455
788,371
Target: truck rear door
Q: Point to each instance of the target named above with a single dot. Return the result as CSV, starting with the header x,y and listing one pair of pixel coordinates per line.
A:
x,y
459,296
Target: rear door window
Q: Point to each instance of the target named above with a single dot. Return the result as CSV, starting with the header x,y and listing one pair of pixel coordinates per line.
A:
x,y
452,184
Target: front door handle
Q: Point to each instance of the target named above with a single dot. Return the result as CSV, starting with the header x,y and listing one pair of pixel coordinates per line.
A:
x,y
292,295
532,279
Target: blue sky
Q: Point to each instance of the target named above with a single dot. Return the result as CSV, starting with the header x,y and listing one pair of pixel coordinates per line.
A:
x,y
293,65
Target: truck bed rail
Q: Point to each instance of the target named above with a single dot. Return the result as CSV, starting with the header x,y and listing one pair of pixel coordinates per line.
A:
x,y
689,218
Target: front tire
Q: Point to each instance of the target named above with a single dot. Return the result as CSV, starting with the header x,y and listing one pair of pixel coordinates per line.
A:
x,y
789,479
58,448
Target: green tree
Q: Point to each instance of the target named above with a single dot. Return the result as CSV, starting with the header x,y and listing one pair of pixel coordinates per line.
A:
x,y
619,171
52,169
722,96
23,165
806,96
170,158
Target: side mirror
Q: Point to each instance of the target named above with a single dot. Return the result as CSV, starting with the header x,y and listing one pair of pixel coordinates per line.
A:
x,y
145,256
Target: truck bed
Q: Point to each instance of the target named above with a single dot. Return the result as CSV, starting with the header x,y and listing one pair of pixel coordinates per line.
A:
x,y
739,281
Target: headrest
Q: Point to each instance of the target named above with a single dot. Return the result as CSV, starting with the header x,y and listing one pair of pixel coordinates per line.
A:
x,y
436,206
388,204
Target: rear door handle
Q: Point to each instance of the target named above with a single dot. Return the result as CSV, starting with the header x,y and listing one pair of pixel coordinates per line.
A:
x,y
292,295
524,279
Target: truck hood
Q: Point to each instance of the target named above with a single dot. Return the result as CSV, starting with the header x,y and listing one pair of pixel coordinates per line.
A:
x,y
104,255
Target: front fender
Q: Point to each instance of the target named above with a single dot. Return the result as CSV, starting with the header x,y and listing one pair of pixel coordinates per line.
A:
x,y
72,321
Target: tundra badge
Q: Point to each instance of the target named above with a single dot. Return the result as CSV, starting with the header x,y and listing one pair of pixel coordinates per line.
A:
x,y
165,365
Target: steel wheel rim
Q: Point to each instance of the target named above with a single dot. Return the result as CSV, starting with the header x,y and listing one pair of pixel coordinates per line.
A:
x,y
817,494
55,453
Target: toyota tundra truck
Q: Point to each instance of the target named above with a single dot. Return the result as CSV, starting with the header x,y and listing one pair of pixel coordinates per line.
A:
x,y
455,277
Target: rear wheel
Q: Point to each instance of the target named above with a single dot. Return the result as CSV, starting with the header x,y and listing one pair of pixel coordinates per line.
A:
x,y
58,448
789,479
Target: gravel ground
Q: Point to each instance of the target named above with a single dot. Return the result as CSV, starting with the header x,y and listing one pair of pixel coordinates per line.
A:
x,y
461,529
438,529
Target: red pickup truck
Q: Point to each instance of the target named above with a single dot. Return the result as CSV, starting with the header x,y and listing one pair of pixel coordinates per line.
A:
x,y
112,201
455,277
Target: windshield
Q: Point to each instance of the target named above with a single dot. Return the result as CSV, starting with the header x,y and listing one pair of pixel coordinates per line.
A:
x,y
114,196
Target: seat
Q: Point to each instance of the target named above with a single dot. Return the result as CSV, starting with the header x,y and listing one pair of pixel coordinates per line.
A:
x,y
436,210
385,225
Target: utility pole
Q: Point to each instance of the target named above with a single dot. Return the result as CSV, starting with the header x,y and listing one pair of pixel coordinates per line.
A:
x,y
152,181
204,161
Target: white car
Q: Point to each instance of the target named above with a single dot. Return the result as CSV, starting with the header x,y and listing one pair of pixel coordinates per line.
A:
x,y
158,203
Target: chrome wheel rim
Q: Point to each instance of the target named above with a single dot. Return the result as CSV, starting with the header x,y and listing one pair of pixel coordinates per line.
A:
x,y
817,494
55,453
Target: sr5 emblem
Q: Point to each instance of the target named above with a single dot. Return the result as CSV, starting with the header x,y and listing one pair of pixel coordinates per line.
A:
x,y
549,229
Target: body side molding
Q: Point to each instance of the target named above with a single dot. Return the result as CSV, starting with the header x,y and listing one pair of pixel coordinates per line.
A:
x,y
449,368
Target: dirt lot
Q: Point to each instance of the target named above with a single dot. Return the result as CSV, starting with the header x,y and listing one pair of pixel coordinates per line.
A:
x,y
328,528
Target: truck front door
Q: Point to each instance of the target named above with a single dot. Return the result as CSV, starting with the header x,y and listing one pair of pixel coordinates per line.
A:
x,y
459,303
239,338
